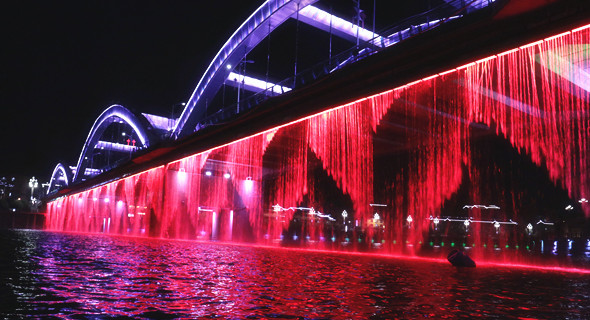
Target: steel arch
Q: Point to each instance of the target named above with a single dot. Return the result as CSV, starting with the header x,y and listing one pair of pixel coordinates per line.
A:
x,y
270,15
66,173
139,124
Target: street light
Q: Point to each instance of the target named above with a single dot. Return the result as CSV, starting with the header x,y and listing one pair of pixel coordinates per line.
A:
x,y
529,229
33,183
344,215
466,223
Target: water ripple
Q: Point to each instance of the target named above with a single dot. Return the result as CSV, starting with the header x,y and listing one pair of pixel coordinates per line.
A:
x,y
71,276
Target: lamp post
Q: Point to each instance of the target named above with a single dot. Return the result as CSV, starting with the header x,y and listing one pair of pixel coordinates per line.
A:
x,y
529,229
344,216
33,183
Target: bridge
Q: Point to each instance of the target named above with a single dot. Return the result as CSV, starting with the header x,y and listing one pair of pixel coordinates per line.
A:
x,y
398,141
118,133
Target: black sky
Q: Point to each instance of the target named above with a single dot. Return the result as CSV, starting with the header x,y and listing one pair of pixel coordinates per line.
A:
x,y
64,62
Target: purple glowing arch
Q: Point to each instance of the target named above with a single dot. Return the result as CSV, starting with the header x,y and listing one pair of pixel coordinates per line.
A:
x,y
270,15
139,124
60,174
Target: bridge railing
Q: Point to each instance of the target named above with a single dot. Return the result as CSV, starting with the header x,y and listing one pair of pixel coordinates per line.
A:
x,y
392,35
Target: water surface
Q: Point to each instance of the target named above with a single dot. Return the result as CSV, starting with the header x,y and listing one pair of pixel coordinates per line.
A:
x,y
79,276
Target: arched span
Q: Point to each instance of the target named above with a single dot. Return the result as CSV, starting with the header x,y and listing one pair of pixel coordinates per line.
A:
x,y
139,124
270,15
60,172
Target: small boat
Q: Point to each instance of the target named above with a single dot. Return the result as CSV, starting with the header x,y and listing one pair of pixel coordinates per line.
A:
x,y
460,259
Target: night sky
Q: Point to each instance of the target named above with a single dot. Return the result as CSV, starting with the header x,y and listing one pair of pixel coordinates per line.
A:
x,y
64,62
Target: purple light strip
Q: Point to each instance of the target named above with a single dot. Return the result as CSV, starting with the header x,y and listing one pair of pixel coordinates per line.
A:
x,y
110,112
253,84
323,20
115,146
58,167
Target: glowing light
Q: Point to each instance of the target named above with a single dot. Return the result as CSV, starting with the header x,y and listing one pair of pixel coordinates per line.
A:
x,y
447,72
481,206
557,36
532,44
485,59
182,176
253,84
214,225
208,173
465,66
466,223
106,200
581,28
248,185
231,224
583,200
506,52
226,175
529,227
409,219
413,83
325,20
429,78
569,208
228,66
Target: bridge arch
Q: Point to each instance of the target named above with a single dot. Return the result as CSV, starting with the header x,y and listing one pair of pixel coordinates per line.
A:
x,y
270,15
257,27
139,125
61,177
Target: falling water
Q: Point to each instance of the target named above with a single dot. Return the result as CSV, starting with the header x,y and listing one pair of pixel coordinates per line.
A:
x,y
484,156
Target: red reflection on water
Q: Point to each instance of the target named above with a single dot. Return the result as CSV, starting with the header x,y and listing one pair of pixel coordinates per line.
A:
x,y
140,277
535,97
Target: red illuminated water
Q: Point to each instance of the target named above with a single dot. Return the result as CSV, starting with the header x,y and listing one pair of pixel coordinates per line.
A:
x,y
484,157
90,276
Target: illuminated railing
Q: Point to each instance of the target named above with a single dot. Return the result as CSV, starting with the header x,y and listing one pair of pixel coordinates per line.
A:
x,y
310,211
